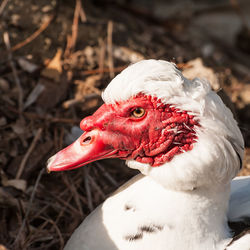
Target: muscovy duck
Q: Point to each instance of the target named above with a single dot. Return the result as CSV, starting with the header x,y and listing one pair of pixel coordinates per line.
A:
x,y
188,148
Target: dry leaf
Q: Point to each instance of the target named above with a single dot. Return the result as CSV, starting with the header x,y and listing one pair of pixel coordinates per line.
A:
x,y
85,91
4,85
35,93
3,159
19,127
36,158
3,121
127,55
53,92
245,95
54,68
195,68
18,184
27,65
2,247
6,199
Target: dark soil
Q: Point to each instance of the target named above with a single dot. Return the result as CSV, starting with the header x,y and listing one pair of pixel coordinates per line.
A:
x,y
52,71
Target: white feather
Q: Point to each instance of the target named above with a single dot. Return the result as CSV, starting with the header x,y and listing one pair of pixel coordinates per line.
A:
x,y
239,204
188,196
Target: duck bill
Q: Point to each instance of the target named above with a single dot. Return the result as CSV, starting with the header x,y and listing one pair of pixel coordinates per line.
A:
x,y
87,148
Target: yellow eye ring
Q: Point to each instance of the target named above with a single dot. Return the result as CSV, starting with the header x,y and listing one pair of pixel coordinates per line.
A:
x,y
138,112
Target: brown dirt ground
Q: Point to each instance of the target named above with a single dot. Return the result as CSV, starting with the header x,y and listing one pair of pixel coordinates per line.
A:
x,y
54,79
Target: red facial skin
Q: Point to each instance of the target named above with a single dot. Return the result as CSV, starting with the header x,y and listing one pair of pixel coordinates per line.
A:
x,y
155,138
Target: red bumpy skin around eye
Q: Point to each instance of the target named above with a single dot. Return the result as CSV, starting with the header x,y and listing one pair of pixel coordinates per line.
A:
x,y
161,133
155,138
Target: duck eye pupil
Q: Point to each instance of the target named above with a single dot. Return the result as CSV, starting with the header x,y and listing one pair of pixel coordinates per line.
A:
x,y
138,112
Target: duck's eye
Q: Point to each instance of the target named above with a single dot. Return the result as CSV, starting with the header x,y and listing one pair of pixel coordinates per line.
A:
x,y
138,112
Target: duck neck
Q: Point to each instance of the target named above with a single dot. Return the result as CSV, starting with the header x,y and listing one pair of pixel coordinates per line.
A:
x,y
201,214
195,201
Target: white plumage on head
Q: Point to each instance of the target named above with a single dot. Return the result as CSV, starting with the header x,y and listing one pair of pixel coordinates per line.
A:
x,y
215,156
151,77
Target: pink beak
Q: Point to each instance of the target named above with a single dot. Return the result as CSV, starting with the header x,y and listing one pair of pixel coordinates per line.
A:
x,y
87,148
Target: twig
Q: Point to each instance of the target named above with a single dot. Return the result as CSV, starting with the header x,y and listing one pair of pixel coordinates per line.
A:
x,y
69,103
235,4
101,55
109,45
29,206
75,24
3,5
82,14
62,210
107,175
183,66
61,136
14,71
46,222
88,191
78,184
34,35
26,156
31,115
72,188
104,70
55,139
63,202
68,46
96,187
57,230
71,40
121,68
52,119
84,200
51,204
34,236
22,214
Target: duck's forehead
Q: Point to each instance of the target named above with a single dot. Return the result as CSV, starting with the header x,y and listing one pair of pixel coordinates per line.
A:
x,y
139,100
150,77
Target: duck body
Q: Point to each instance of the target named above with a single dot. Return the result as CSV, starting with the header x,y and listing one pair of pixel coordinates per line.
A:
x,y
162,219
188,148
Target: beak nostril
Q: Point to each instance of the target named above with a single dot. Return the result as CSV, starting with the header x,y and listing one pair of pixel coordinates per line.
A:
x,y
86,140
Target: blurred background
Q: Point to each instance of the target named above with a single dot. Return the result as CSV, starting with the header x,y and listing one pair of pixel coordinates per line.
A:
x,y
56,58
